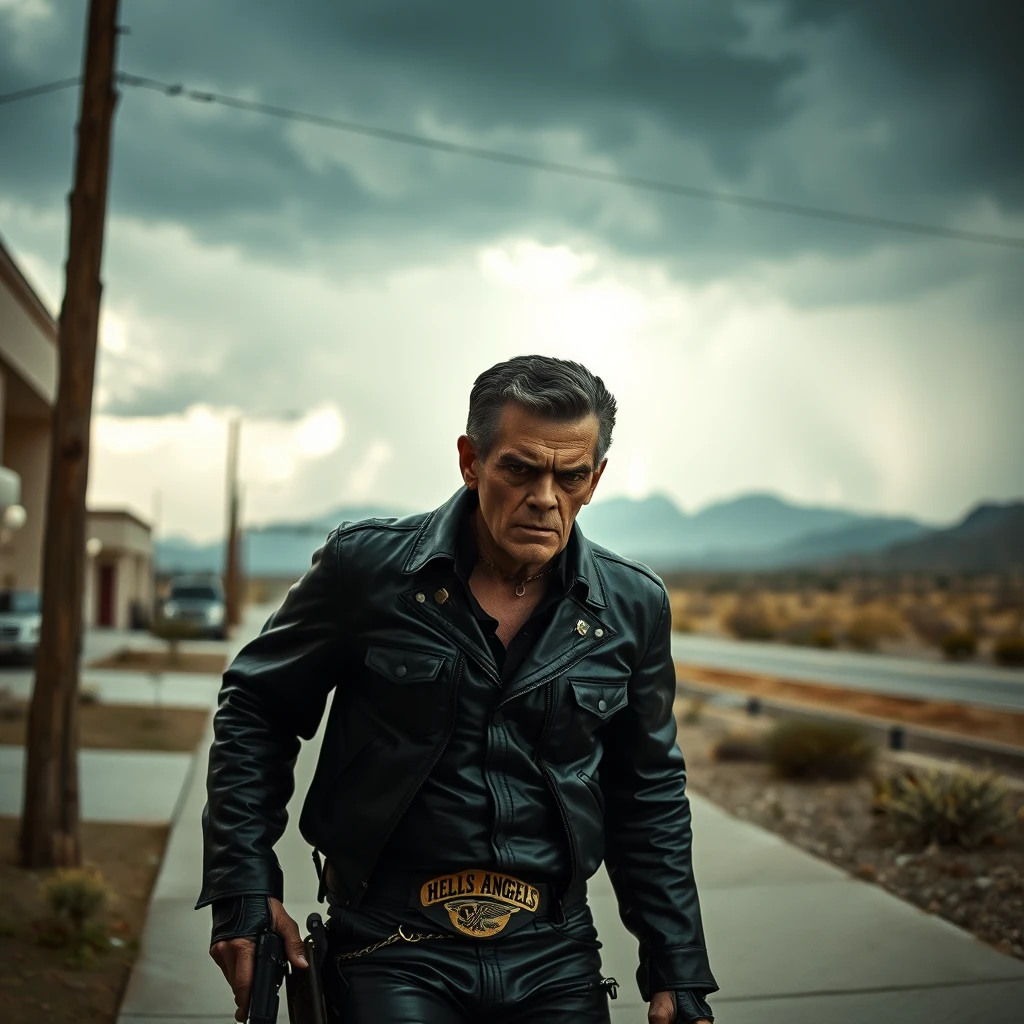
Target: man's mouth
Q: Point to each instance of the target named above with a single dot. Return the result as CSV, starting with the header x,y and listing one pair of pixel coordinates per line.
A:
x,y
540,531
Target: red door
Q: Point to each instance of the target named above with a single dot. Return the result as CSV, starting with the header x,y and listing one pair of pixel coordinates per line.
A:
x,y
107,585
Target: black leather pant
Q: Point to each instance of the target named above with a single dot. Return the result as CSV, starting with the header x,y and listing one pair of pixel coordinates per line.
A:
x,y
544,973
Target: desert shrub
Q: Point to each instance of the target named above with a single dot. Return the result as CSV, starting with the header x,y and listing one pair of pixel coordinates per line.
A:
x,y
750,621
959,643
809,633
929,623
809,749
77,898
868,629
693,712
1009,650
959,808
1007,599
76,895
88,695
739,746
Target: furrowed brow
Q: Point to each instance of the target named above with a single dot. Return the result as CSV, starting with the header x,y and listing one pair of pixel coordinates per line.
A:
x,y
514,459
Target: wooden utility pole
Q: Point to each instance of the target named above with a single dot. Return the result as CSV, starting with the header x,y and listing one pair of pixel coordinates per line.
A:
x,y
231,553
49,827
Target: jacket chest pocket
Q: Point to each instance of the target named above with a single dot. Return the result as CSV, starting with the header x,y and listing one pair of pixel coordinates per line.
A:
x,y
598,697
407,689
583,708
403,667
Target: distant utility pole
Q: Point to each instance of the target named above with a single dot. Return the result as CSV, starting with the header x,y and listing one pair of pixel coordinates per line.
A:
x,y
49,827
232,582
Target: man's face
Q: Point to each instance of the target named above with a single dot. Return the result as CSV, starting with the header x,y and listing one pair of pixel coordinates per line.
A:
x,y
531,486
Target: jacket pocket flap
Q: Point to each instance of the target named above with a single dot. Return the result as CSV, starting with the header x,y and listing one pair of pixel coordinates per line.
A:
x,y
599,698
401,666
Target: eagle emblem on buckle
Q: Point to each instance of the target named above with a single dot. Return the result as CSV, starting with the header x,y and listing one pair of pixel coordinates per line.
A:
x,y
479,918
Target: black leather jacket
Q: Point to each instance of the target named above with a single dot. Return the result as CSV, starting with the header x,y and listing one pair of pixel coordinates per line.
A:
x,y
596,692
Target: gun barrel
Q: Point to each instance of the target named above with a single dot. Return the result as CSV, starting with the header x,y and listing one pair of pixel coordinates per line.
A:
x,y
268,972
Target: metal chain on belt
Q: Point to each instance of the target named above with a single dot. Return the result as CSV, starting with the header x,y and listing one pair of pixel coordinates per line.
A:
x,y
391,940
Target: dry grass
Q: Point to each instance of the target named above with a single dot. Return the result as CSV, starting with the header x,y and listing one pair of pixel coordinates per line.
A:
x,y
132,660
911,619
119,727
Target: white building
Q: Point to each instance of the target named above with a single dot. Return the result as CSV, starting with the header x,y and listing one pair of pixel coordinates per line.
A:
x,y
28,386
119,568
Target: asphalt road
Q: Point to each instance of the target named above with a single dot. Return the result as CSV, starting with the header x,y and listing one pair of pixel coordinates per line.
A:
x,y
904,677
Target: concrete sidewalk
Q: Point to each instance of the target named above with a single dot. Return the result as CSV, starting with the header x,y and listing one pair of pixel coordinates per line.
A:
x,y
118,785
792,939
141,786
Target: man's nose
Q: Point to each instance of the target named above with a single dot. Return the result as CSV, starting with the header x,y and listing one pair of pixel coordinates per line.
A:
x,y
543,495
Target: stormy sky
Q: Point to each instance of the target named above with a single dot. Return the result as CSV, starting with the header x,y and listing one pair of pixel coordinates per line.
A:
x,y
342,292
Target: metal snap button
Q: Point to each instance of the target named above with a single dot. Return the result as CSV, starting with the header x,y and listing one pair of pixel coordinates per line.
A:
x,y
498,719
598,632
602,705
499,839
402,671
421,598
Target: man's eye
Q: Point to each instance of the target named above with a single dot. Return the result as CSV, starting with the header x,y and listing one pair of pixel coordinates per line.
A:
x,y
517,470
574,478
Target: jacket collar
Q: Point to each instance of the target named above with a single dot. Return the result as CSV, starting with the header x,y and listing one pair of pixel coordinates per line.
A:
x,y
438,537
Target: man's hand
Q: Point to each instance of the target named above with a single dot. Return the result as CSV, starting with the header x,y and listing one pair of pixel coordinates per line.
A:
x,y
235,956
662,1009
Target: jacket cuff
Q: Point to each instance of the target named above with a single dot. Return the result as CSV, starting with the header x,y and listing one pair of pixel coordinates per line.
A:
x,y
691,1007
251,877
675,969
240,917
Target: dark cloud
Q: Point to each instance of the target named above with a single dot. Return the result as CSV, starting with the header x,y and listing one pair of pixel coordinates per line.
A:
x,y
962,63
267,266
900,109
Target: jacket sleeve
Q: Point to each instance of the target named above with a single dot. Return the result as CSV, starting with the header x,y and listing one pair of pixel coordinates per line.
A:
x,y
273,693
648,835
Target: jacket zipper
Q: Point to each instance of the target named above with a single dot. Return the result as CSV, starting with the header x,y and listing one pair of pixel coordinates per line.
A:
x,y
423,778
550,780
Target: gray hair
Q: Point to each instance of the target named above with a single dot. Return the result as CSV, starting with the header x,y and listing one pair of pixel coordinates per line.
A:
x,y
555,388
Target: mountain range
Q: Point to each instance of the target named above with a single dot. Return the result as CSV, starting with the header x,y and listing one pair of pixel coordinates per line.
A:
x,y
752,532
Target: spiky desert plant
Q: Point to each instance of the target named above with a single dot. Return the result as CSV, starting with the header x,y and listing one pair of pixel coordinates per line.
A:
x,y
959,808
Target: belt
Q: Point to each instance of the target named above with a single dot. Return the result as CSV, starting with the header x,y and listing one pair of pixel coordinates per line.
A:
x,y
480,903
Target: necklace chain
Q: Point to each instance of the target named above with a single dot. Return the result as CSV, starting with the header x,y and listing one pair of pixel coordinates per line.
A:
x,y
520,584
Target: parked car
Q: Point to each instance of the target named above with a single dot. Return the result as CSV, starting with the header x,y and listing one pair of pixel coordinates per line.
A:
x,y
20,619
195,607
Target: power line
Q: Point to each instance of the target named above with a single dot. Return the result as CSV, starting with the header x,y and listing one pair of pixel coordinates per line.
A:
x,y
549,166
39,90
569,170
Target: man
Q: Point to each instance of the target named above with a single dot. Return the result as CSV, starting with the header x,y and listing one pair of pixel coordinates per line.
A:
x,y
501,723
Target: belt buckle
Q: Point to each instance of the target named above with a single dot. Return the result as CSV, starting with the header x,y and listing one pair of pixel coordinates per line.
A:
x,y
479,903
